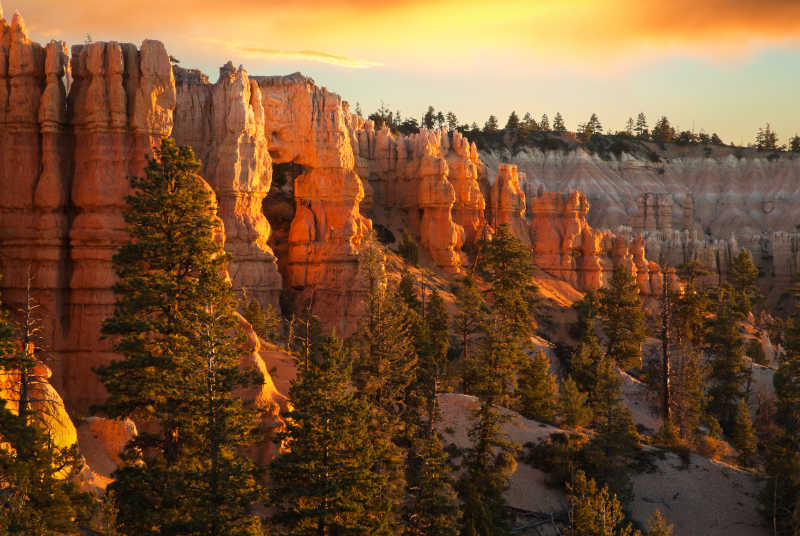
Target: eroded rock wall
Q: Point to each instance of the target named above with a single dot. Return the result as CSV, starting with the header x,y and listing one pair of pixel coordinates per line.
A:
x,y
225,125
567,247
64,157
427,183
308,126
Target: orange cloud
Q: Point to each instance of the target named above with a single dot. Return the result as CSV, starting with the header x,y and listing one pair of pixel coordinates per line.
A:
x,y
437,34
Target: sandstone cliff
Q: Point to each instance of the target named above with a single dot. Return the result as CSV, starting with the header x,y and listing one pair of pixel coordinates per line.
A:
x,y
225,125
63,162
686,203
426,183
567,247
307,127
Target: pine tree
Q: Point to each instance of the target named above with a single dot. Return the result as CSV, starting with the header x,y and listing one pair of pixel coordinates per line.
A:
x,y
429,119
593,511
407,290
452,121
623,319
743,279
641,126
588,353
794,144
766,139
469,323
537,390
21,357
606,392
491,125
663,131
544,123
433,353
728,374
572,405
614,450
175,326
558,123
630,126
512,124
657,525
487,466
265,322
386,359
384,373
744,439
688,371
37,492
780,499
506,264
432,508
529,123
329,480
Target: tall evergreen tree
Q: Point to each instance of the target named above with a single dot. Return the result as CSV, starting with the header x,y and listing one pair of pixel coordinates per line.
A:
x,y
469,323
588,353
329,480
743,279
780,499
593,511
728,374
558,123
384,374
37,492
689,371
794,144
505,263
544,123
623,319
174,324
573,407
744,438
433,508
487,466
641,126
512,124
537,390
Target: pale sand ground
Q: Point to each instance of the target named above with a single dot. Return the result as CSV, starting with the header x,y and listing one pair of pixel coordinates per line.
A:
x,y
706,498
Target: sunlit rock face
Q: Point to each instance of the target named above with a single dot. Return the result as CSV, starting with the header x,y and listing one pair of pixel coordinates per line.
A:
x,y
225,125
507,202
427,183
64,157
687,206
308,126
567,247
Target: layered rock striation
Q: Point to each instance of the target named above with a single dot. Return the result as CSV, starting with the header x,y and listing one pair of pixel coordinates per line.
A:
x,y
307,126
225,125
64,157
567,247
412,188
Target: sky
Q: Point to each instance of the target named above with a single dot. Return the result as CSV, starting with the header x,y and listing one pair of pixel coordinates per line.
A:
x,y
725,66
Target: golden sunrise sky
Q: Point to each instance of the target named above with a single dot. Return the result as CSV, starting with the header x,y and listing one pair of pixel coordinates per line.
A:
x,y
726,66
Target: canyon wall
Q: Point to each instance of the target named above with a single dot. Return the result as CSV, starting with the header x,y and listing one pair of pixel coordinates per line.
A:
x,y
307,127
687,204
224,124
64,157
426,183
74,126
567,247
